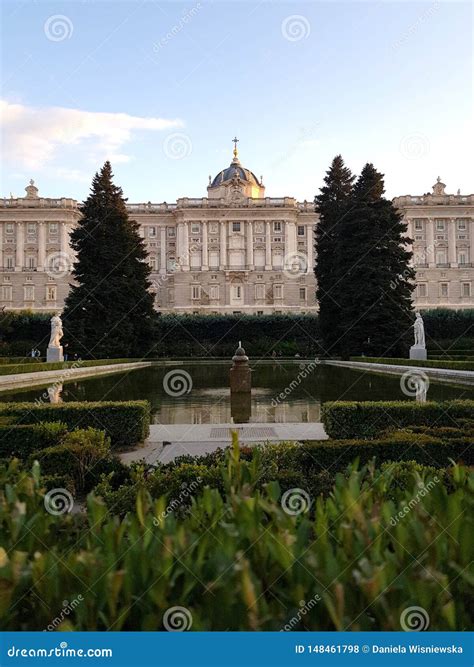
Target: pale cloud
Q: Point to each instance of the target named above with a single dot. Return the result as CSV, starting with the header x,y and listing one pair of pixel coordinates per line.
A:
x,y
32,137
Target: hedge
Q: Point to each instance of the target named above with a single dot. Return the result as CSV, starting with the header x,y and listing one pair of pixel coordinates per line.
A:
x,y
14,369
125,422
453,365
354,419
20,440
19,360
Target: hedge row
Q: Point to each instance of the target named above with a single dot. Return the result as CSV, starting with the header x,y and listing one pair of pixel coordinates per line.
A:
x,y
19,360
354,419
20,440
15,369
453,365
125,422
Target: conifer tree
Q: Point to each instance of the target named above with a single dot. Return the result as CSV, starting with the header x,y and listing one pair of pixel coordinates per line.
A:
x,y
375,281
331,205
109,310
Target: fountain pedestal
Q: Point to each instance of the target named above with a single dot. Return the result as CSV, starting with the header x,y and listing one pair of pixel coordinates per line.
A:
x,y
240,375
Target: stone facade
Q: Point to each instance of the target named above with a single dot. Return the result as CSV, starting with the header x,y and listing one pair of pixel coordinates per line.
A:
x,y
234,251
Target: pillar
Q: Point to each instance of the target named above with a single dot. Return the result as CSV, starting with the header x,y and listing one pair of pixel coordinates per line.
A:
x,y
163,251
268,246
205,253
223,248
471,250
452,255
310,248
64,238
1,244
250,263
20,246
430,250
41,245
183,245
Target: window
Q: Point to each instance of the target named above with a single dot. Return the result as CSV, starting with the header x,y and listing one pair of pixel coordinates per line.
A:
x,y
214,259
443,290
152,232
237,290
214,292
29,293
53,227
278,260
440,225
259,291
421,290
418,225
31,228
195,228
302,293
236,226
51,293
441,257
278,291
418,237
9,263
196,291
277,226
171,232
462,257
153,263
277,239
6,293
259,312
31,262
466,289
462,224
172,265
300,230
9,228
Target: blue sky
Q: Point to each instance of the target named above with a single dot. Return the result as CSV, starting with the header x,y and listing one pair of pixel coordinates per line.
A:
x,y
161,88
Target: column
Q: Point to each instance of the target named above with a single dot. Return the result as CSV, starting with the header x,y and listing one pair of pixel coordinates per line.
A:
x,y
471,250
163,251
186,257
20,246
310,248
41,245
223,250
452,255
1,244
204,253
250,264
430,251
268,246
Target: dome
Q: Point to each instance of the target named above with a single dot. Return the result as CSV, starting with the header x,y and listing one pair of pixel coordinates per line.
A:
x,y
235,168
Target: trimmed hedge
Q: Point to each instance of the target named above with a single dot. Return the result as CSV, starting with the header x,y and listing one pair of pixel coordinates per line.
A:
x,y
126,423
19,360
354,419
453,365
15,369
20,440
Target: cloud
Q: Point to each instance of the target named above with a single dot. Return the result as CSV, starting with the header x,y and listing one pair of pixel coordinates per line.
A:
x,y
34,136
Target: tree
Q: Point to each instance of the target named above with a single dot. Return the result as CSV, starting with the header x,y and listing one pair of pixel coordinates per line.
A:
x,y
109,310
375,281
331,204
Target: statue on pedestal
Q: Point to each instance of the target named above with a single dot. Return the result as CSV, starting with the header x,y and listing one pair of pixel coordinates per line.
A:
x,y
418,350
55,350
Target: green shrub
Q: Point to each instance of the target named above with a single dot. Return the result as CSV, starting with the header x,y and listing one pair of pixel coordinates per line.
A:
x,y
19,440
354,419
126,423
240,561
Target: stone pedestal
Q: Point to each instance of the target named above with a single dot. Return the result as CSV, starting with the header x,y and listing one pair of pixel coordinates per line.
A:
x,y
240,407
54,354
240,374
418,352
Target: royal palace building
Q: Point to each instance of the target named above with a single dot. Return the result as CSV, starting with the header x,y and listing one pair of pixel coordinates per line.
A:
x,y
234,251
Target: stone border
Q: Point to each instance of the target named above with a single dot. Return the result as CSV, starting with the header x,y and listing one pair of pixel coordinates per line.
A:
x,y
446,375
22,380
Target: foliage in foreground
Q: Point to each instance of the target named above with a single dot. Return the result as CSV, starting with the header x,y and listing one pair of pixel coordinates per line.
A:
x,y
239,560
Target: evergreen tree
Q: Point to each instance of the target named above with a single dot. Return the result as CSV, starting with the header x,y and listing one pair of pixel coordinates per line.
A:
x,y
375,281
109,310
331,205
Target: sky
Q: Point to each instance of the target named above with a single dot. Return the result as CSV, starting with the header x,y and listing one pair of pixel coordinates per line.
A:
x,y
161,89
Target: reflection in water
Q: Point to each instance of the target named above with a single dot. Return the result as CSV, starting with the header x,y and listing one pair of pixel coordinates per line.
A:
x,y
241,407
54,393
280,393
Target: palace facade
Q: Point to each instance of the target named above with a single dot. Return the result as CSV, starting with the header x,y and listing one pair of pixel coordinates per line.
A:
x,y
234,251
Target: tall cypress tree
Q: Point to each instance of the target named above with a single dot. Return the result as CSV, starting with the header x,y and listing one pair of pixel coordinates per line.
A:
x,y
375,281
331,204
109,310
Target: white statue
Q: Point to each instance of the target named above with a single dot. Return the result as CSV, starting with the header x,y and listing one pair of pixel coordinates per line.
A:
x,y
419,330
56,331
